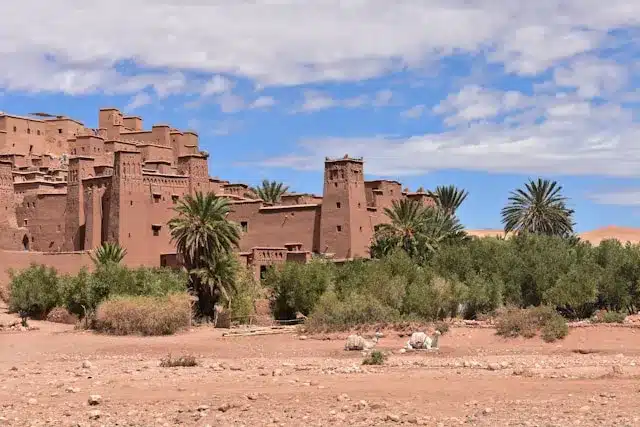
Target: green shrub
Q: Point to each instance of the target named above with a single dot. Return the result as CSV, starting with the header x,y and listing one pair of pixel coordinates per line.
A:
x,y
333,314
247,291
609,317
375,358
144,315
34,290
516,322
297,287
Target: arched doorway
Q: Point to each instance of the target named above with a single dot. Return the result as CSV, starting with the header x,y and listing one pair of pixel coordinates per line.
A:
x,y
25,242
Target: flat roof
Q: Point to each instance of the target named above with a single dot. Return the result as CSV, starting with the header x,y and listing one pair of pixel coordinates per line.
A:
x,y
285,207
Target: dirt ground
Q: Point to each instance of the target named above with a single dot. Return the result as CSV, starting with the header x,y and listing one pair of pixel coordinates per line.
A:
x,y
49,375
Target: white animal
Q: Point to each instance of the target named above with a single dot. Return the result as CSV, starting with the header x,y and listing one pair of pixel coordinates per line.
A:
x,y
420,340
357,342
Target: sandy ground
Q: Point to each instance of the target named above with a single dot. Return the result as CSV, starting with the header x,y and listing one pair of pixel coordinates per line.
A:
x,y
476,378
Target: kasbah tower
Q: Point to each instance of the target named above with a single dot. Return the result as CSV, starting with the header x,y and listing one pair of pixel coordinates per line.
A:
x,y
66,188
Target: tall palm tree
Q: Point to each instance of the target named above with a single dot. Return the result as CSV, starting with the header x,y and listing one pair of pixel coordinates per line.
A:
x,y
417,229
202,230
107,253
449,198
270,191
204,236
539,208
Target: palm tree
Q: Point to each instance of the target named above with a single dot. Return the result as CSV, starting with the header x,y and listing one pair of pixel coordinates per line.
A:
x,y
449,198
270,191
417,229
107,253
204,236
540,208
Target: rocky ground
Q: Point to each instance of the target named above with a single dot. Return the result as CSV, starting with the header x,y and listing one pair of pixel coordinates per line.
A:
x,y
57,376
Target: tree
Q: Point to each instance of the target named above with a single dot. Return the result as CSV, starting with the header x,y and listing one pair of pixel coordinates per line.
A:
x,y
270,191
107,253
540,208
204,236
449,198
416,229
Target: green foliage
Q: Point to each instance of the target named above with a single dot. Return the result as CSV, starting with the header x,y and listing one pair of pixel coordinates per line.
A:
x,y
375,358
609,317
187,361
247,289
449,198
539,209
107,253
269,191
34,290
297,287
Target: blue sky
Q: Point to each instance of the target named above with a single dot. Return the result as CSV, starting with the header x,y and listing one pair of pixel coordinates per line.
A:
x,y
476,93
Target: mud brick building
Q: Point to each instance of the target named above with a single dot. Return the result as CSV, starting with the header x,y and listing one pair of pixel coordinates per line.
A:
x,y
65,189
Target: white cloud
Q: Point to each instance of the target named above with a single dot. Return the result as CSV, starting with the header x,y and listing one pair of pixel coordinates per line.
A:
x,y
217,85
414,112
289,42
263,102
314,100
627,197
138,100
383,98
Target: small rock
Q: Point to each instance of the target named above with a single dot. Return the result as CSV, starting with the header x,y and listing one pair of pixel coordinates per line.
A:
x,y
343,397
362,404
487,411
277,372
72,389
493,367
585,408
32,401
203,408
226,406
86,364
617,369
302,337
252,396
94,399
94,415
393,417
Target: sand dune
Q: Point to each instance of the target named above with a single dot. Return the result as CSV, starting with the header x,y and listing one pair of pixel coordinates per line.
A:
x,y
623,234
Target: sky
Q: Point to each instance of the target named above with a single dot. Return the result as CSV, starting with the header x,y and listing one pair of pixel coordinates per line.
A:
x,y
482,94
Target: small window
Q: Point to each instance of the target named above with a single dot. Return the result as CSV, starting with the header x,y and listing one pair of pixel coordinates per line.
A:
x,y
59,130
244,225
156,198
28,131
156,230
335,184
339,228
26,222
359,205
338,205
38,132
130,202
360,228
174,199
15,129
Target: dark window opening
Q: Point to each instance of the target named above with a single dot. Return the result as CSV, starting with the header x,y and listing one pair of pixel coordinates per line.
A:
x,y
59,130
338,205
174,199
26,222
244,225
360,228
130,202
25,243
336,184
15,129
38,132
339,228
156,230
156,198
263,271
29,131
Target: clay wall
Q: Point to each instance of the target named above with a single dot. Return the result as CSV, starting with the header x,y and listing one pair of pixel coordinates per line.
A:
x,y
380,195
44,216
24,135
155,152
65,263
133,123
96,210
276,226
111,120
197,169
59,131
300,199
87,145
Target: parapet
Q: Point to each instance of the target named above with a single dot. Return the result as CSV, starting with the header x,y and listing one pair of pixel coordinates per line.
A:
x,y
346,158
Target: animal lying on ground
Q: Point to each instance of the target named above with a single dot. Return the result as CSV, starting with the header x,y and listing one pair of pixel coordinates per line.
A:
x,y
421,341
359,343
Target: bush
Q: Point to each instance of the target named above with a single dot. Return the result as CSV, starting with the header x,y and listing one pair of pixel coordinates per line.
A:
x,y
182,361
332,314
515,322
297,287
247,291
34,290
61,315
375,358
609,317
144,315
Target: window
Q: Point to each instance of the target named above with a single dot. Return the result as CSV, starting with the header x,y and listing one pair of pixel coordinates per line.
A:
x,y
335,184
338,205
156,230
15,129
156,198
244,225
26,222
174,199
28,131
59,130
339,228
38,132
130,202
360,228
359,205
263,271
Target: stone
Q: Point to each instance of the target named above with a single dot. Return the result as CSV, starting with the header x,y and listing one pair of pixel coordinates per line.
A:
x,y
86,364
32,401
94,399
493,367
277,373
72,389
393,417
487,411
203,408
94,415
362,404
343,397
585,408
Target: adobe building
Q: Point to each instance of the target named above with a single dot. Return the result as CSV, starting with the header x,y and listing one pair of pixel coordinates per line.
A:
x,y
66,188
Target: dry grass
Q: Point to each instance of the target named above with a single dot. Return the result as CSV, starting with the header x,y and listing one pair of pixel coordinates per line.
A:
x,y
182,361
62,315
143,315
514,322
4,293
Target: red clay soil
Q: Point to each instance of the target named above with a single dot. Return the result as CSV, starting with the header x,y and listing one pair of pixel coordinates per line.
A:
x,y
476,379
